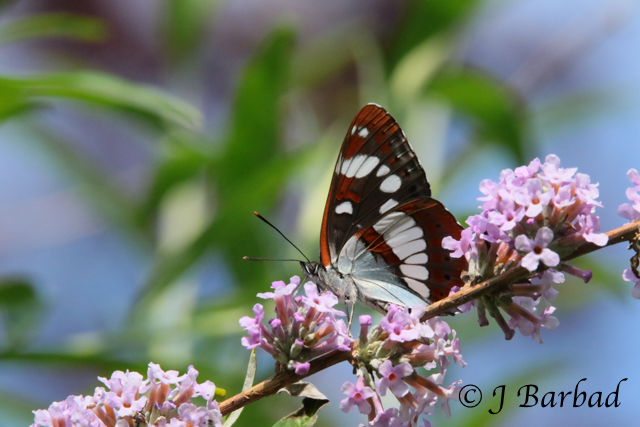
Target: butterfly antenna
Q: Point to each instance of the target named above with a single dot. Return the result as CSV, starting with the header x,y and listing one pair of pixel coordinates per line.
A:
x,y
250,258
285,237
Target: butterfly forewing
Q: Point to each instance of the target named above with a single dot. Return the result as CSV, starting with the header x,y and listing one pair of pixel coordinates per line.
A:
x,y
376,171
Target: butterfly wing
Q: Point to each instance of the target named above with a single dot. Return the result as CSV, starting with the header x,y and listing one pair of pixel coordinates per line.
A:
x,y
381,228
399,258
376,171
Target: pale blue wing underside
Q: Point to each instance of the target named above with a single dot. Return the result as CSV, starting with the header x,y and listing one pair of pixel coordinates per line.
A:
x,y
378,293
377,285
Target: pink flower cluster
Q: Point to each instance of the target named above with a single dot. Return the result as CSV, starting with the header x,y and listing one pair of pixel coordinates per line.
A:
x,y
632,213
304,328
533,216
163,399
387,358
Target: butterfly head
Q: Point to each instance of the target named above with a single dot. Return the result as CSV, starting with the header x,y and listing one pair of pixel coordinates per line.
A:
x,y
311,270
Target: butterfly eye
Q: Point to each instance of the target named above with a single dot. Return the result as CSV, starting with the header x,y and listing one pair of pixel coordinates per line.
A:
x,y
310,268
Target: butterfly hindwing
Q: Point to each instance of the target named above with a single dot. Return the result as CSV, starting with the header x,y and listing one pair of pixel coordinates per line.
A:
x,y
376,171
399,258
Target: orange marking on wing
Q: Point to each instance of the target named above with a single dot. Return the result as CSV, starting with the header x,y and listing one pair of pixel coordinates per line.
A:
x,y
375,243
325,255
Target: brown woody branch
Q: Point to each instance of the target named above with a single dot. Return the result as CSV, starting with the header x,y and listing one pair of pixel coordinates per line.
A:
x,y
282,379
468,293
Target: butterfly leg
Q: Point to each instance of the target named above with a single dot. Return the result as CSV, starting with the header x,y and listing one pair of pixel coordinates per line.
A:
x,y
349,308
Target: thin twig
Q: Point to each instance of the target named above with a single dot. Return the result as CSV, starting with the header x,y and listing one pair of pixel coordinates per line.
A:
x,y
469,293
271,385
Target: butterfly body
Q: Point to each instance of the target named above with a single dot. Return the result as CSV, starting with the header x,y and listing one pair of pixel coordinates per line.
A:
x,y
381,236
331,279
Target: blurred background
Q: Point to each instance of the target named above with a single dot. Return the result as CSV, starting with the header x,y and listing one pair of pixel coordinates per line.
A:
x,y
137,138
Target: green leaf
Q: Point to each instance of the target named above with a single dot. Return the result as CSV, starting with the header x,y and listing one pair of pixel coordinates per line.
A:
x,y
185,25
11,107
182,163
256,120
231,229
253,146
576,109
109,91
251,371
20,309
494,109
248,382
323,57
60,25
13,102
425,18
247,174
307,415
415,69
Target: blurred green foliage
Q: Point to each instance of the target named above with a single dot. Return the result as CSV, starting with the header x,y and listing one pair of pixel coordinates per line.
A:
x,y
19,307
101,90
59,25
248,167
495,112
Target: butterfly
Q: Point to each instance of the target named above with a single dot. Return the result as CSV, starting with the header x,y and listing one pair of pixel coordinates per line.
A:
x,y
381,236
